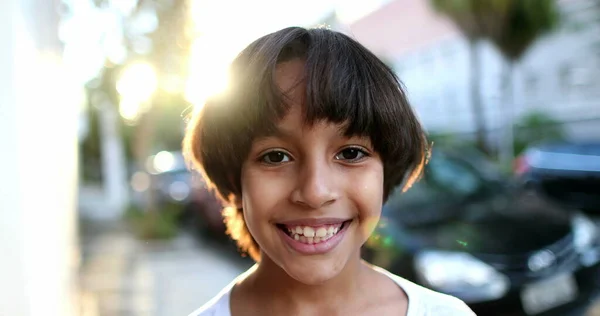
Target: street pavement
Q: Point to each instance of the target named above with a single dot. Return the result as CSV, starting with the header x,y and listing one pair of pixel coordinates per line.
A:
x,y
123,276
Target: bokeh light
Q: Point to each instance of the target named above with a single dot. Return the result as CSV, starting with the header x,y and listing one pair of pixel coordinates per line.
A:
x,y
137,84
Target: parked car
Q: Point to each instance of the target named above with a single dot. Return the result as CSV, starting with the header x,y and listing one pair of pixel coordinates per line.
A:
x,y
171,182
567,172
203,211
464,231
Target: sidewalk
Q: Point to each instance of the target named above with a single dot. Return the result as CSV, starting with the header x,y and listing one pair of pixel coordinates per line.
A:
x,y
123,276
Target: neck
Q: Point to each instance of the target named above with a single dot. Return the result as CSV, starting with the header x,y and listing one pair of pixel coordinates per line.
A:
x,y
278,286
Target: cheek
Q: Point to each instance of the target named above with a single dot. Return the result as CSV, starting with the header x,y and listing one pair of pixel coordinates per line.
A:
x,y
367,193
261,193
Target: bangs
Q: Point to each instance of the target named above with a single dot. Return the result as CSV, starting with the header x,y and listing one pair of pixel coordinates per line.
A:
x,y
345,83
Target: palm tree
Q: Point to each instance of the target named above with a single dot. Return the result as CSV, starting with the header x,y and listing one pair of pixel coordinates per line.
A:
x,y
170,40
520,25
475,19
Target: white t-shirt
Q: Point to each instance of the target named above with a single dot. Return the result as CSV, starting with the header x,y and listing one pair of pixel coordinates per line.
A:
x,y
421,301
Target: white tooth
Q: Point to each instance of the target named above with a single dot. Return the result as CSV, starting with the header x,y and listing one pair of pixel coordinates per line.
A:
x,y
309,232
321,232
330,230
335,230
299,230
317,240
303,239
310,240
296,237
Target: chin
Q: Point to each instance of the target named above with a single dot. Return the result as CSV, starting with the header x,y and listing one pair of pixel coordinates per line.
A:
x,y
314,273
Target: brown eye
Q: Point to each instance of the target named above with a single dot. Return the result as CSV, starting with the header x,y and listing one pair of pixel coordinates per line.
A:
x,y
351,154
275,157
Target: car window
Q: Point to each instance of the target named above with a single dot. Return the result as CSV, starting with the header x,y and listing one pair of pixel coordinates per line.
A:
x,y
445,179
453,176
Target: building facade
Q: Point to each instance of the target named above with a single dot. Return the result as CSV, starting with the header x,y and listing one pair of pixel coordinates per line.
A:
x,y
556,76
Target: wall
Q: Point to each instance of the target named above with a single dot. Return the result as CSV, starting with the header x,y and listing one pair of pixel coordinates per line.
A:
x,y
38,165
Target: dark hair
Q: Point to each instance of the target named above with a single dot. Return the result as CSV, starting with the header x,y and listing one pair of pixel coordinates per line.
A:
x,y
345,83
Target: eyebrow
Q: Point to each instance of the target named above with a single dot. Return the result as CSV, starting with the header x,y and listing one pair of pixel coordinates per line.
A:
x,y
284,133
276,131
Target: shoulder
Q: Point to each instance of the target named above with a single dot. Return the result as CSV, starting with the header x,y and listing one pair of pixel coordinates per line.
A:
x,y
218,306
423,301
429,302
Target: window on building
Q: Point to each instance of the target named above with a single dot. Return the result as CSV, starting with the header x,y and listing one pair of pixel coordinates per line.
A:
x,y
578,80
580,76
531,83
564,74
596,49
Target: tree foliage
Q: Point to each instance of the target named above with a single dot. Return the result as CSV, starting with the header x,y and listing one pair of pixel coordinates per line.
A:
x,y
536,127
158,32
512,25
522,24
476,19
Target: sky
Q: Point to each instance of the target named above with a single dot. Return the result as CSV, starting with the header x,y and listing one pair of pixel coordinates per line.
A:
x,y
256,17
226,26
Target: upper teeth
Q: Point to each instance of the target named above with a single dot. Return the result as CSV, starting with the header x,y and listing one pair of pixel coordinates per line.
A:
x,y
320,232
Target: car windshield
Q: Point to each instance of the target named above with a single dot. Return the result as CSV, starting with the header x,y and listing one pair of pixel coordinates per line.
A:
x,y
447,182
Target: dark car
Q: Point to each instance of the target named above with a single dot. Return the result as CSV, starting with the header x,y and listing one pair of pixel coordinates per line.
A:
x,y
172,183
203,211
463,231
568,172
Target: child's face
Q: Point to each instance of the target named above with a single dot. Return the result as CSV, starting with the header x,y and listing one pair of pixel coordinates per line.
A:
x,y
311,196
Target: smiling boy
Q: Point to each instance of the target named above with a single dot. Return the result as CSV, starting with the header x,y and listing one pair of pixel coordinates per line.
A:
x,y
311,137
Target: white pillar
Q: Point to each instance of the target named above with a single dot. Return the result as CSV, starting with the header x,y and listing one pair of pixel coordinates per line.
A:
x,y
38,165
11,220
114,164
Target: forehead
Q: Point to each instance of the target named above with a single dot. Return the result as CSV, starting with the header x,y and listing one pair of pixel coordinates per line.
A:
x,y
294,125
290,80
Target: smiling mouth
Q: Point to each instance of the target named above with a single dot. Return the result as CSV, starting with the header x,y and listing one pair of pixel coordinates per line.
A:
x,y
313,234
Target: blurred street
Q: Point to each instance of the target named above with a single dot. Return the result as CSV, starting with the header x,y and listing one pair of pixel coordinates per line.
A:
x,y
122,275
100,214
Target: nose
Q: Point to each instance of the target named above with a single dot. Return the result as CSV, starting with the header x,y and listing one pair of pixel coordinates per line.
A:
x,y
315,185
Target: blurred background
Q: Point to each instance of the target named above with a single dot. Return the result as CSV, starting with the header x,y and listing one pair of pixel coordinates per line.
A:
x,y
100,216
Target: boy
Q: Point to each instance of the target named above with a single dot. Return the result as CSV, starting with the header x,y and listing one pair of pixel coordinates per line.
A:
x,y
312,135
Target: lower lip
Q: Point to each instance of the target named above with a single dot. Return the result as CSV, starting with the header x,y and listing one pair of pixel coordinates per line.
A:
x,y
318,248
